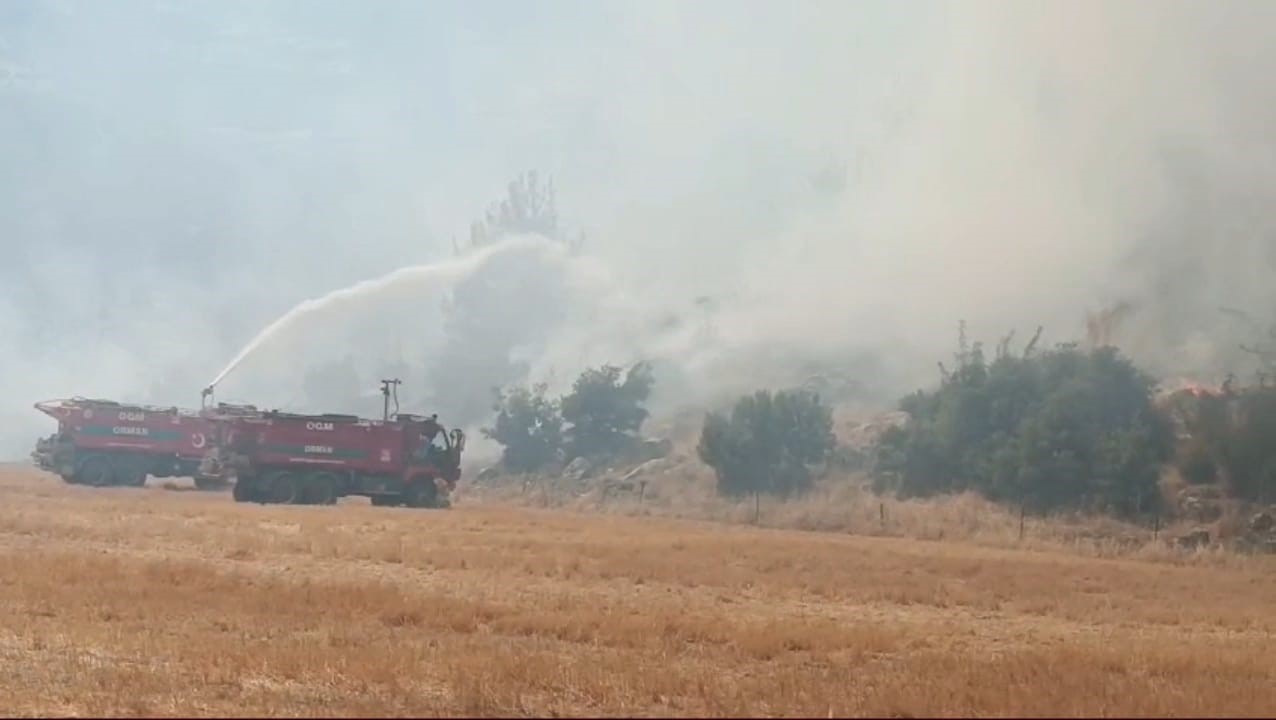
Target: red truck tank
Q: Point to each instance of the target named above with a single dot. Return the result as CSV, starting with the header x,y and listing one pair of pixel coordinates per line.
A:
x,y
103,442
279,457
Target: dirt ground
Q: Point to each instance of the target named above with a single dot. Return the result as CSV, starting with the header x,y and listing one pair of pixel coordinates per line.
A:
x,y
161,602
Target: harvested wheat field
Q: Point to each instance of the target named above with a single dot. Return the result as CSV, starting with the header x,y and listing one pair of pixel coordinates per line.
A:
x,y
157,602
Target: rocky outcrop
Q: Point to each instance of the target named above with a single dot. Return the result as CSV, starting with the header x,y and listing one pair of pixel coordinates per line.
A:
x,y
646,469
1260,532
1194,539
656,448
1263,522
578,470
865,435
1201,503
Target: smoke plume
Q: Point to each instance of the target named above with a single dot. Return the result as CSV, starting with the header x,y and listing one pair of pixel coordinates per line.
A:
x,y
770,191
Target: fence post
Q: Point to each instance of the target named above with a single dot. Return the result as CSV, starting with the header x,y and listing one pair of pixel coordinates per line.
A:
x,y
881,515
1021,510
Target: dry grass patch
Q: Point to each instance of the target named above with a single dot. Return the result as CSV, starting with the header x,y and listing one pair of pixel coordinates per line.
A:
x,y
844,503
148,602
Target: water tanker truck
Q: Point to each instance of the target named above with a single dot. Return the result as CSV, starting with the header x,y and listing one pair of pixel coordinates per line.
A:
x,y
104,443
280,457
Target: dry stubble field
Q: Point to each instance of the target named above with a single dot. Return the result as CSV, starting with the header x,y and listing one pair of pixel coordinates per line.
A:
x,y
157,602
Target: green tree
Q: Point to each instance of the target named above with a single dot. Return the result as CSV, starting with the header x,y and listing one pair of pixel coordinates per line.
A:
x,y
511,301
528,207
1064,428
605,409
529,426
768,443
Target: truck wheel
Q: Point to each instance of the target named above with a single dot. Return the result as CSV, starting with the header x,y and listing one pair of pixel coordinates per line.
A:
x,y
320,489
420,494
283,488
130,472
95,471
245,490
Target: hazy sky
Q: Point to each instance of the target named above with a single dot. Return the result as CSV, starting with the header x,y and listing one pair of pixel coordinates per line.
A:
x,y
177,174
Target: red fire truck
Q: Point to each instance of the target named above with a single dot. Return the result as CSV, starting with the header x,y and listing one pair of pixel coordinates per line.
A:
x,y
103,442
279,457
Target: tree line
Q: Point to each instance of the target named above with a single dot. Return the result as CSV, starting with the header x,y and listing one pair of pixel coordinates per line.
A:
x,y
1063,428
1045,429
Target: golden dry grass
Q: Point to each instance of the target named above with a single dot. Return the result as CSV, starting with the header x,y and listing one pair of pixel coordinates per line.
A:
x,y
153,602
843,503
684,487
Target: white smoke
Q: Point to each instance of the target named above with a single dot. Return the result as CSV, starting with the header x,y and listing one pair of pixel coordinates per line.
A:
x,y
768,189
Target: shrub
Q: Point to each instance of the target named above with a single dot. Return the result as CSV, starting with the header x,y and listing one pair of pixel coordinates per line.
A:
x,y
1063,429
768,443
529,426
605,410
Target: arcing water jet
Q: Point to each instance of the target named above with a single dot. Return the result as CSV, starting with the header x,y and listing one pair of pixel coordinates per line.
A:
x,y
442,274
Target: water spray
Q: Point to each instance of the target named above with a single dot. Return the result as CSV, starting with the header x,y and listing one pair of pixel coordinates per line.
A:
x,y
444,273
